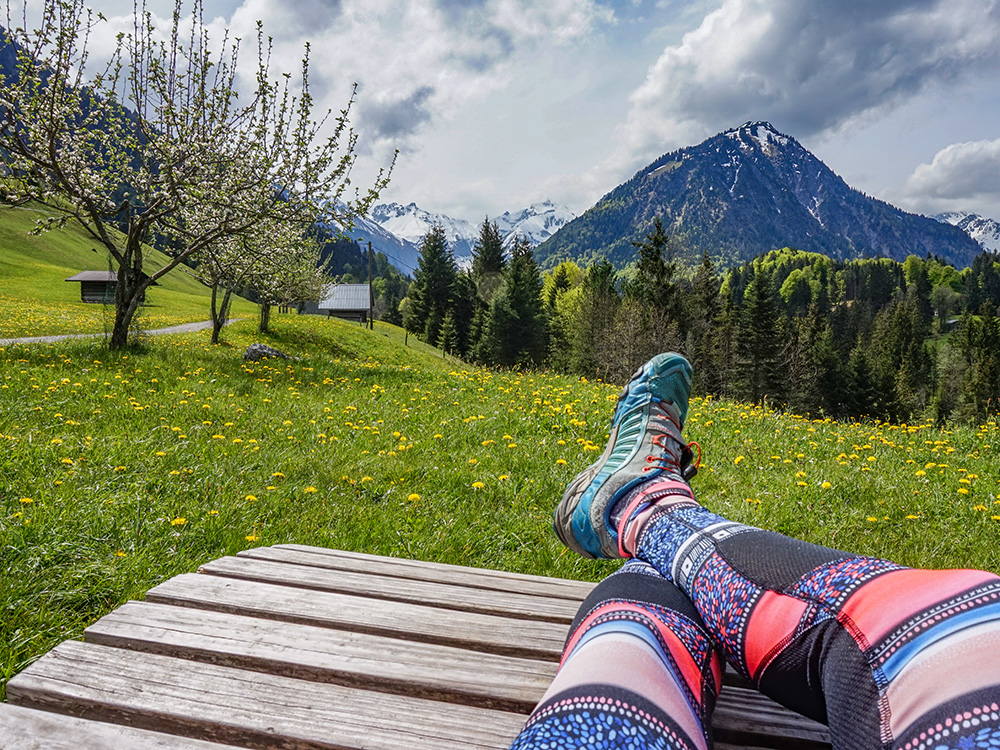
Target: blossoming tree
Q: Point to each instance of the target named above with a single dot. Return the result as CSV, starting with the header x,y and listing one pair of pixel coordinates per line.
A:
x,y
157,144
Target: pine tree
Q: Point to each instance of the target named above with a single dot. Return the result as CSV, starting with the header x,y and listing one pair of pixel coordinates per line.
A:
x,y
433,285
488,261
599,302
759,342
516,328
703,315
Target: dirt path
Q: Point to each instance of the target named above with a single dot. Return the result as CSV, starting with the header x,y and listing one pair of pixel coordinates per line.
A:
x,y
183,328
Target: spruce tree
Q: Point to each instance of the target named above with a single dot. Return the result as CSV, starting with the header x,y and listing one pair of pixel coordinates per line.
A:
x,y
516,329
431,292
759,341
488,261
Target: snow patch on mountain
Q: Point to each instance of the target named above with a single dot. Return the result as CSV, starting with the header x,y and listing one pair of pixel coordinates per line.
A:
x,y
536,223
982,229
410,223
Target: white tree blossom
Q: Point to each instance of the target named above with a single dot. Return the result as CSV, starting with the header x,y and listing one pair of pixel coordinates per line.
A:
x,y
156,145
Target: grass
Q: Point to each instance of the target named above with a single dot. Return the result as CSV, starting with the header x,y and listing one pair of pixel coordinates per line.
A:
x,y
35,299
118,471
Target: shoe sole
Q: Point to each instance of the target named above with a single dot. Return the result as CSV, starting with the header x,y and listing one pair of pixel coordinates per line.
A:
x,y
655,379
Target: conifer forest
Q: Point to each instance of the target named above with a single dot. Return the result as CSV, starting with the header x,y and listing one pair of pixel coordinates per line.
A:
x,y
867,338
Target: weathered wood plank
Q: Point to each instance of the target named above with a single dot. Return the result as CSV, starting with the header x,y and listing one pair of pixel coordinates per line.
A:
x,y
360,562
25,729
443,595
240,707
745,717
313,653
487,633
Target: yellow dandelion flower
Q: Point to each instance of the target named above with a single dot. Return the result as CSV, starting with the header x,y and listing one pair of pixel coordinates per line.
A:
x,y
738,459
826,485
179,521
561,461
68,461
309,490
503,477
251,498
979,507
278,475
872,519
413,497
963,491
27,500
921,473
251,537
478,485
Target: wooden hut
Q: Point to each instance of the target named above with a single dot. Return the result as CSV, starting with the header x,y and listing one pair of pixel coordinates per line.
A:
x,y
98,286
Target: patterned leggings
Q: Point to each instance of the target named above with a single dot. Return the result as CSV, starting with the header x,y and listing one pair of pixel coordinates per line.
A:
x,y
887,656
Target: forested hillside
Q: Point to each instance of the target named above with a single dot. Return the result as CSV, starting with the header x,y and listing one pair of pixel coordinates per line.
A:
x,y
871,338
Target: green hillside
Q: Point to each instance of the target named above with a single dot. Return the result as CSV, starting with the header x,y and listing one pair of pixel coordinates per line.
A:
x,y
35,299
120,470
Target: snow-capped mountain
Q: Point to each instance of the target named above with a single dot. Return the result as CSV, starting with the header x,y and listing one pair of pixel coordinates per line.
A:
x,y
411,223
536,223
401,252
408,224
982,229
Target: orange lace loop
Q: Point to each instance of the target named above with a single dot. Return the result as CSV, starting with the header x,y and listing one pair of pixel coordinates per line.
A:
x,y
697,461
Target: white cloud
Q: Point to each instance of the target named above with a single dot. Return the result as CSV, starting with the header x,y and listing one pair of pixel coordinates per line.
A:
x,y
809,67
962,176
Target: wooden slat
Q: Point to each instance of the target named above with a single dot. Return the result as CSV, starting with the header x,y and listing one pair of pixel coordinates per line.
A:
x,y
494,580
258,710
488,633
320,654
25,729
443,595
745,717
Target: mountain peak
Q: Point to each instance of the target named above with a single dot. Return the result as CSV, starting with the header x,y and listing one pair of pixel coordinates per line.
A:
x,y
760,132
744,192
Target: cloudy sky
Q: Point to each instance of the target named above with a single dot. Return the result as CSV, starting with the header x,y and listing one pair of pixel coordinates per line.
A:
x,y
494,104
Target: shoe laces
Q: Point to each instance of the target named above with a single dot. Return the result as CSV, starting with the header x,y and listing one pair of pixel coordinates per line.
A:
x,y
685,464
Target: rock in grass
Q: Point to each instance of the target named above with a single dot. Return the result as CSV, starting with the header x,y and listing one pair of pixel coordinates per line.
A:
x,y
257,352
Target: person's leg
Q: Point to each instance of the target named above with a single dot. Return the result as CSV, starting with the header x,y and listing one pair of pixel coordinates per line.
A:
x,y
887,656
638,672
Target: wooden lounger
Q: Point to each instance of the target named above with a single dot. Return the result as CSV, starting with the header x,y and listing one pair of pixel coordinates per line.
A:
x,y
301,647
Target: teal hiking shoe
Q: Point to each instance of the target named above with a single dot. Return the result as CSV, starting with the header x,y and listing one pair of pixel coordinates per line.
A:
x,y
645,442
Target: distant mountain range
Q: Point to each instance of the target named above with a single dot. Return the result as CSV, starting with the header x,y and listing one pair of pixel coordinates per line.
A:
x,y
742,193
983,230
396,230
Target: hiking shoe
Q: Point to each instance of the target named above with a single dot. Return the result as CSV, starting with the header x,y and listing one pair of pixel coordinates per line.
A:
x,y
645,442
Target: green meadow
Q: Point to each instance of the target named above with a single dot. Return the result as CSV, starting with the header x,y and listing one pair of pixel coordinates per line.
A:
x,y
120,470
36,300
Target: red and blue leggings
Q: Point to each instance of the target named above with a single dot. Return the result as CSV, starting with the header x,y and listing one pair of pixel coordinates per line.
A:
x,y
887,656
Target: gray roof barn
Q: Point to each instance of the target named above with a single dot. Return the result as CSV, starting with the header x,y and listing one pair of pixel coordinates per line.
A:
x,y
98,286
348,301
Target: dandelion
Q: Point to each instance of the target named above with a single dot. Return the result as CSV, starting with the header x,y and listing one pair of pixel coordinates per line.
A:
x,y
872,519
309,490
180,521
413,497
503,477
119,553
278,475
561,461
120,469
160,453
738,459
826,485
979,507
478,485
963,491
68,461
251,537
27,500
251,498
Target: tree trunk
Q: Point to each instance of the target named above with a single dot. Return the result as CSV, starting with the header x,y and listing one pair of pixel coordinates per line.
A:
x,y
219,312
265,317
128,296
